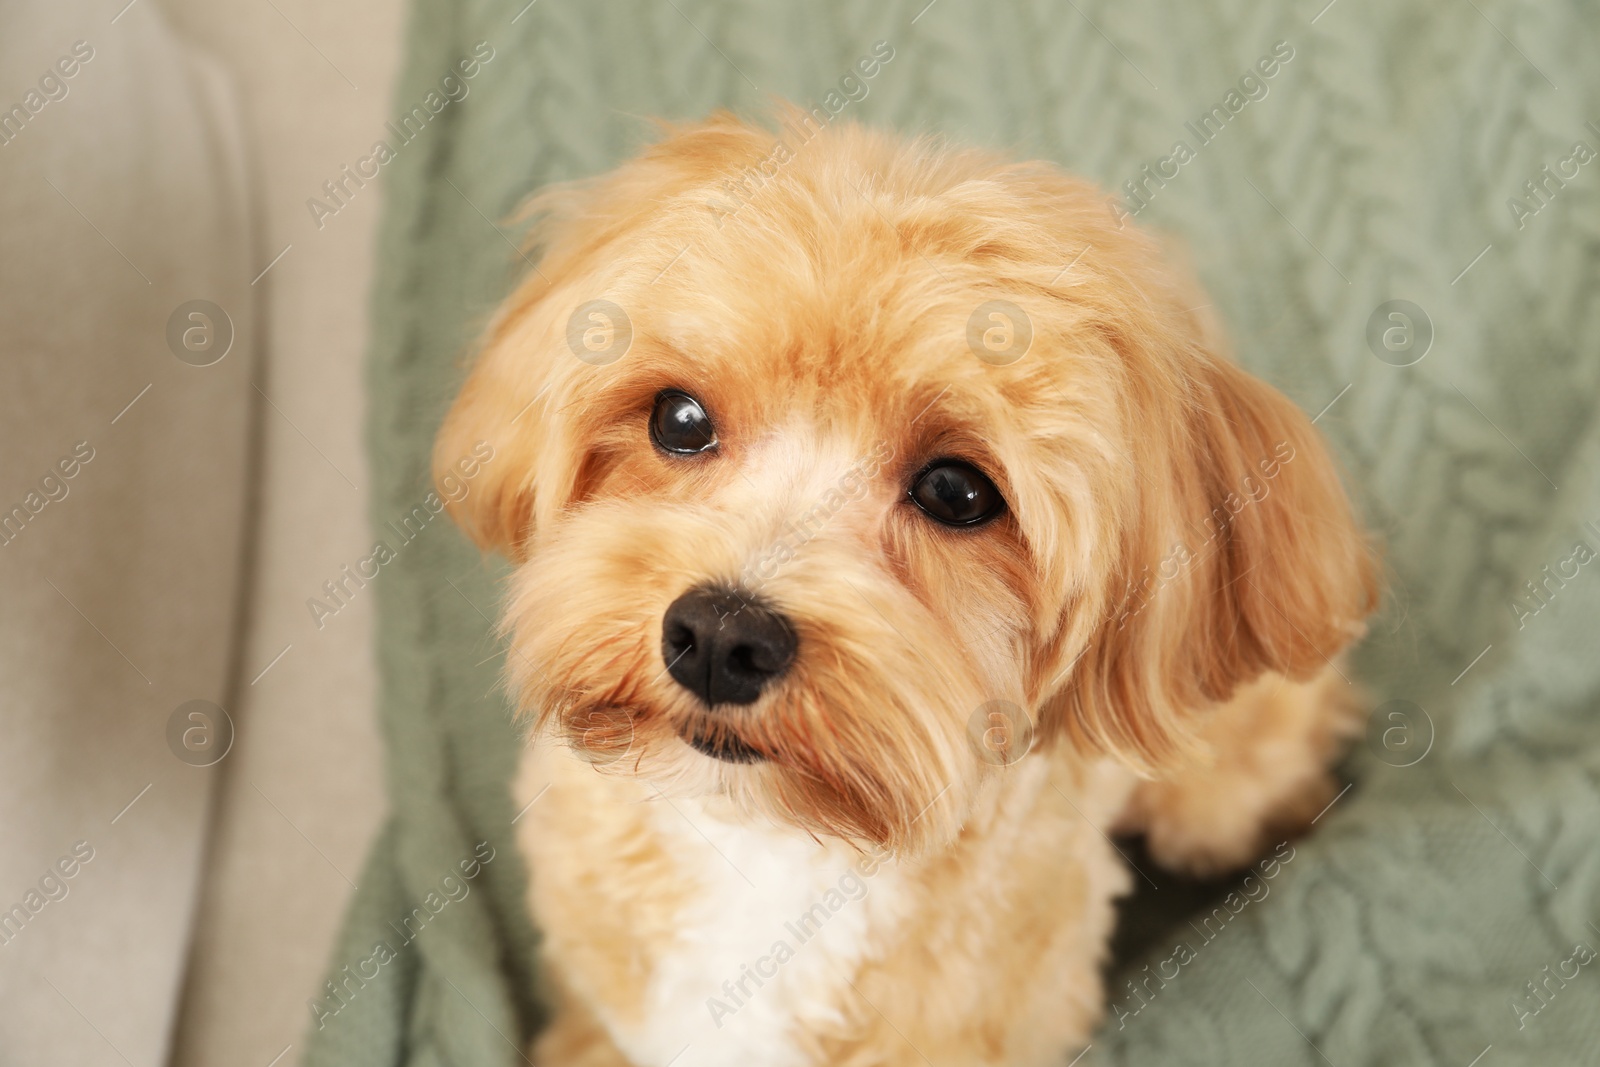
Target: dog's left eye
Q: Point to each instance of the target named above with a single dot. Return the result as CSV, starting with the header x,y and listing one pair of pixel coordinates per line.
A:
x,y
956,493
679,424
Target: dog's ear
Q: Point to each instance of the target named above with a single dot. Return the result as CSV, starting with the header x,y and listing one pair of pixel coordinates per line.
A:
x,y
557,332
528,359
499,404
1246,557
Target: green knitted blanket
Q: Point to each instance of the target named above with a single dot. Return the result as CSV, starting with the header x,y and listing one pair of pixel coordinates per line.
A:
x,y
1393,205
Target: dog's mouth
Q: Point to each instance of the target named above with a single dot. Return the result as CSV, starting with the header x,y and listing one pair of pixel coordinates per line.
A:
x,y
722,744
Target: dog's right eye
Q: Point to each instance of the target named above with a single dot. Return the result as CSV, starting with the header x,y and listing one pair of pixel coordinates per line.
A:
x,y
679,424
956,493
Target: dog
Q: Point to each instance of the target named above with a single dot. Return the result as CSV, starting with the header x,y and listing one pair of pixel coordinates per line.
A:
x,y
889,528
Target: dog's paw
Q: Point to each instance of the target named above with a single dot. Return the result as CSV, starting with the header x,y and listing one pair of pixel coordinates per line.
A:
x,y
1211,824
1267,780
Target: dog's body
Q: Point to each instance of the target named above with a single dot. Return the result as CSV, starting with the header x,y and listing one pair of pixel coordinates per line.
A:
x,y
960,960
679,933
851,635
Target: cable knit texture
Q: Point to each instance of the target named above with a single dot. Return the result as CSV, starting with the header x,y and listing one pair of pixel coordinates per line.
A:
x,y
1380,165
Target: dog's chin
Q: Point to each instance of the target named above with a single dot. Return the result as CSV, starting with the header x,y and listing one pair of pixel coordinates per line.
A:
x,y
721,745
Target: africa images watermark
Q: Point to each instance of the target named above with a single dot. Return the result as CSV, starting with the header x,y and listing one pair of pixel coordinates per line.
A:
x,y
53,886
798,131
1253,890
340,590
1141,591
798,531
1537,594
451,889
453,88
54,486
1252,86
1541,190
52,87
1550,984
851,887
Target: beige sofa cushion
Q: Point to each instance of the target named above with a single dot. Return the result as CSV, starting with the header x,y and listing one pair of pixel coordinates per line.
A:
x,y
302,793
122,197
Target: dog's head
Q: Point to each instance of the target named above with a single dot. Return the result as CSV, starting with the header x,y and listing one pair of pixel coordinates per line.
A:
x,y
835,464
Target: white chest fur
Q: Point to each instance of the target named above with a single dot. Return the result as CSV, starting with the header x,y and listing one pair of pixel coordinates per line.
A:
x,y
688,936
773,934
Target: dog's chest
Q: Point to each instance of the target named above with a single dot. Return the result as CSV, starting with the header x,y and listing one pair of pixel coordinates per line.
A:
x,y
770,937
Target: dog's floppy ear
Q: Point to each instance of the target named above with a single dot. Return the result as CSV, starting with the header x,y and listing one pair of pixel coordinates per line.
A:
x,y
525,362
1246,558
558,331
497,404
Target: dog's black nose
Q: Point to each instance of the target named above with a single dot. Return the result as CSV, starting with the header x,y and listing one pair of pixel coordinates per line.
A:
x,y
723,646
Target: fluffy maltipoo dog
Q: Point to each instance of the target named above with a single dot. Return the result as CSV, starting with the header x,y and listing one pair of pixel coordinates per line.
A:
x,y
889,529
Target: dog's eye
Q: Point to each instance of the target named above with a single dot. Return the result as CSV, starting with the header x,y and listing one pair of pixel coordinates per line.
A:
x,y
956,493
680,424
